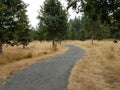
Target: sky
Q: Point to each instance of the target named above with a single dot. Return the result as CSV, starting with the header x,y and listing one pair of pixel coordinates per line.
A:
x,y
34,7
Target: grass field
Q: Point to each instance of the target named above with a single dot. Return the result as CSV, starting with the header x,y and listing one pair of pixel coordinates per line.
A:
x,y
99,69
16,58
11,54
36,48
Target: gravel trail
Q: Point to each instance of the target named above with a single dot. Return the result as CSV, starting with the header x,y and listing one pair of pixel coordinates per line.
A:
x,y
49,74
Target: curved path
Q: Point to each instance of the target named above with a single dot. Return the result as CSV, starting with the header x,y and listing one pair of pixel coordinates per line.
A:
x,y
49,74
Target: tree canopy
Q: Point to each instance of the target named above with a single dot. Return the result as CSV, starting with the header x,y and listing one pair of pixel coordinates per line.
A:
x,y
105,11
53,18
13,21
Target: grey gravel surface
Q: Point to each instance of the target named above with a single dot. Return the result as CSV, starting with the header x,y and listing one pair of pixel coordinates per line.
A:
x,y
49,74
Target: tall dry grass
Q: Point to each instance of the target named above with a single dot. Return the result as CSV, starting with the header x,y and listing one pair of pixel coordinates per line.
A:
x,y
11,54
99,69
35,48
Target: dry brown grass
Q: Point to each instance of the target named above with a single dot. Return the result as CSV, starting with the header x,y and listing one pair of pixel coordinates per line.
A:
x,y
17,53
16,58
99,69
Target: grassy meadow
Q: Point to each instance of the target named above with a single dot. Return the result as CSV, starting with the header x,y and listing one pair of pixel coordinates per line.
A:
x,y
11,54
99,68
16,53
17,58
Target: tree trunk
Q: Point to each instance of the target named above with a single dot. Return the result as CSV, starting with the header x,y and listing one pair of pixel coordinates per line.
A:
x,y
93,32
23,46
1,47
54,44
92,38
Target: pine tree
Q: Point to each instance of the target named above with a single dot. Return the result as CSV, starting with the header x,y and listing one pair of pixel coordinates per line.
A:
x,y
54,19
42,34
9,17
22,33
74,28
108,11
6,23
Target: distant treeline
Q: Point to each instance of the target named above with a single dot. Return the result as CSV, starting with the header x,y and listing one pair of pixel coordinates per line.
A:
x,y
82,29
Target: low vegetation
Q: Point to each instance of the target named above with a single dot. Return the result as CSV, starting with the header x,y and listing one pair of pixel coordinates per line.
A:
x,y
17,53
99,69
17,58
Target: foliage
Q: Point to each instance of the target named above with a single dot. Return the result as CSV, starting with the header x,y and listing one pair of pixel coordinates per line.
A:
x,y
74,28
13,23
6,22
105,11
42,33
53,19
85,28
22,32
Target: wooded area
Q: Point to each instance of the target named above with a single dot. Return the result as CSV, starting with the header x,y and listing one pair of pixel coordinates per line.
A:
x,y
100,20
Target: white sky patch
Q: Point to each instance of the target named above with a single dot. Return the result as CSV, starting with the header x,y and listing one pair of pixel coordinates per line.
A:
x,y
34,7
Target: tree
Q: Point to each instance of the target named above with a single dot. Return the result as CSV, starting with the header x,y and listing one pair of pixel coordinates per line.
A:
x,y
89,13
10,17
115,30
6,23
33,34
105,10
97,8
41,33
54,19
85,28
22,32
89,28
74,28
94,30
